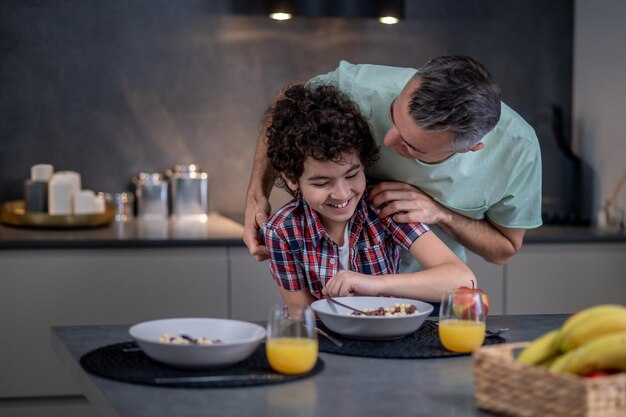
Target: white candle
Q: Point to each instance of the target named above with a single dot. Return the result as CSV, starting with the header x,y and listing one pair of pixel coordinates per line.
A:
x,y
73,177
59,195
84,202
41,172
99,204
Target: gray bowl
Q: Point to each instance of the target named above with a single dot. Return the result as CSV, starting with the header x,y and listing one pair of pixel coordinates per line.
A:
x,y
341,321
239,339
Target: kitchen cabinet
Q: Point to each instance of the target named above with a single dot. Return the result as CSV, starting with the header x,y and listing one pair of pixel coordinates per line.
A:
x,y
564,278
253,289
554,278
44,288
490,278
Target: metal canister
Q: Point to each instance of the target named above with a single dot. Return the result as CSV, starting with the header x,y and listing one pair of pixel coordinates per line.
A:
x,y
151,192
189,188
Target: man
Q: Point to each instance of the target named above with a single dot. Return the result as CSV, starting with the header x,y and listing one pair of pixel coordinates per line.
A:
x,y
454,156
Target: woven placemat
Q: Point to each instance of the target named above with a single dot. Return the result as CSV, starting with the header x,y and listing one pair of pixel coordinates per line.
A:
x,y
422,344
125,362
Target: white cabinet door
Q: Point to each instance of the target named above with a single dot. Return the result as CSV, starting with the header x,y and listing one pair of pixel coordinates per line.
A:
x,y
253,289
490,279
44,288
564,278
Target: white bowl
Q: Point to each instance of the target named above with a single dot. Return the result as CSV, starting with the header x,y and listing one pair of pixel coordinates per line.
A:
x,y
340,320
239,340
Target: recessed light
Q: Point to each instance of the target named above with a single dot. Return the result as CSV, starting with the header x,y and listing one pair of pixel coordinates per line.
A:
x,y
280,16
388,20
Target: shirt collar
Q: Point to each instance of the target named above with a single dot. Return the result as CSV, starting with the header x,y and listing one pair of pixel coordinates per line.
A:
x,y
314,224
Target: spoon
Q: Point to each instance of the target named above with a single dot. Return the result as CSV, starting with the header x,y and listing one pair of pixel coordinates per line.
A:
x,y
494,333
322,333
332,300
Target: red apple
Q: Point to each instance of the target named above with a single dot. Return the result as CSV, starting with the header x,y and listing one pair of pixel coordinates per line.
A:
x,y
464,301
596,374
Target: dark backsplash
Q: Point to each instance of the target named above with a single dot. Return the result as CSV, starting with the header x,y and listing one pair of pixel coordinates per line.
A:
x,y
111,88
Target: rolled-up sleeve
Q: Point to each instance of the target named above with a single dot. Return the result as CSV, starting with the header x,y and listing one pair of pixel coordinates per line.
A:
x,y
284,268
404,234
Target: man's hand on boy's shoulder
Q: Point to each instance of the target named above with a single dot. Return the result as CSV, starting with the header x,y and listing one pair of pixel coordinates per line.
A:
x,y
406,203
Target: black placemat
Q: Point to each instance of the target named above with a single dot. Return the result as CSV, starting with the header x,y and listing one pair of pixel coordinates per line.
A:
x,y
422,344
134,366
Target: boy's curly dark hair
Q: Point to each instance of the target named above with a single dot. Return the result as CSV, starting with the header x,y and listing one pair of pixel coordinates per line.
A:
x,y
315,121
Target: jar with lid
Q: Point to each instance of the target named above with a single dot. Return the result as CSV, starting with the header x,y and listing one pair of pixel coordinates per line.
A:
x,y
189,188
151,192
123,204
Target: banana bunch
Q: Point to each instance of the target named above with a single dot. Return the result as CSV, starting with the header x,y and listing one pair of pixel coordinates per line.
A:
x,y
594,339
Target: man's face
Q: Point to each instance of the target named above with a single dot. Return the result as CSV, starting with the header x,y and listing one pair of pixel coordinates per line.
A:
x,y
411,141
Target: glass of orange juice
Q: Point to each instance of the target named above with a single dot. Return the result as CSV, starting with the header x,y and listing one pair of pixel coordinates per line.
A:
x,y
291,345
462,320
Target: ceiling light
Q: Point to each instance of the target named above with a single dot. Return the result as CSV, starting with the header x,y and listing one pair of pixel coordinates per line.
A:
x,y
388,20
281,9
386,11
280,16
390,12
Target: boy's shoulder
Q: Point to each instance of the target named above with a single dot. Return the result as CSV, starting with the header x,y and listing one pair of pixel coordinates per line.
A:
x,y
287,216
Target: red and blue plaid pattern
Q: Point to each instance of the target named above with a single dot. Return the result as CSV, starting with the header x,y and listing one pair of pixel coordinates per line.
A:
x,y
303,256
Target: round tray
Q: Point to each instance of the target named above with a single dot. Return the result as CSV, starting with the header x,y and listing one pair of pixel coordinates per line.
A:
x,y
13,213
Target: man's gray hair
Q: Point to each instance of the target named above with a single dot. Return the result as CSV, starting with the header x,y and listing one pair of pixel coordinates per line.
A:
x,y
458,94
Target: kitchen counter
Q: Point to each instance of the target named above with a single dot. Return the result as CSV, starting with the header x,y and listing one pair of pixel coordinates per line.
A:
x,y
220,230
573,234
348,386
215,230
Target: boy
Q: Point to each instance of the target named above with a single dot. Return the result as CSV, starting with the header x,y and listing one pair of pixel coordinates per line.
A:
x,y
328,239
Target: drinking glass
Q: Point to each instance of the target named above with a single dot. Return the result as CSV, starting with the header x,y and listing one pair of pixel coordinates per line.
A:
x,y
462,320
291,345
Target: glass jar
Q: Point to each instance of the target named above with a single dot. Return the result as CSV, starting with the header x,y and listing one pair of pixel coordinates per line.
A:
x,y
189,190
151,191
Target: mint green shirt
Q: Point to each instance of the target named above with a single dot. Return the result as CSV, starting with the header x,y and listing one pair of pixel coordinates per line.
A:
x,y
502,181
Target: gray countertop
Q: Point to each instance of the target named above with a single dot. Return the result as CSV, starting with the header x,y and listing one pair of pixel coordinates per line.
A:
x,y
215,230
220,230
348,386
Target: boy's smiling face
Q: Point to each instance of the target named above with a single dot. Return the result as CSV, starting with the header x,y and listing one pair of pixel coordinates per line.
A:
x,y
333,190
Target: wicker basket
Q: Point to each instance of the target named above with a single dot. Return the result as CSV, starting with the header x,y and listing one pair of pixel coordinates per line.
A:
x,y
504,386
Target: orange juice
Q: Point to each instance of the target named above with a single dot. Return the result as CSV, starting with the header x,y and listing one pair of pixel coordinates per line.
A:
x,y
461,335
291,355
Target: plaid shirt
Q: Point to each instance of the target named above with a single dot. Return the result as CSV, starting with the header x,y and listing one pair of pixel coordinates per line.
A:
x,y
303,256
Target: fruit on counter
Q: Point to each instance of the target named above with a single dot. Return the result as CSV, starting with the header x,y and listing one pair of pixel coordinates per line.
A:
x,y
592,341
548,362
599,374
576,318
591,323
541,349
604,352
464,301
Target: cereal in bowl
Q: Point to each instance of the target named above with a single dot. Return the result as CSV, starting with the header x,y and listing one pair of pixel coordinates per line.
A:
x,y
396,310
184,339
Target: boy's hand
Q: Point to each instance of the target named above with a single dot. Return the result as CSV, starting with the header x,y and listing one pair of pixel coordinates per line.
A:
x,y
349,283
256,215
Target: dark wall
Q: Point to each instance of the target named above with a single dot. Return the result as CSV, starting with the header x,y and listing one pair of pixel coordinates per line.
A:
x,y
111,88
